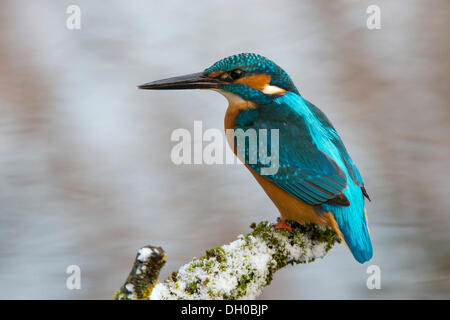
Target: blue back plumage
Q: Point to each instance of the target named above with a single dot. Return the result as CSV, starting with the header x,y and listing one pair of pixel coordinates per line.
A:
x,y
314,165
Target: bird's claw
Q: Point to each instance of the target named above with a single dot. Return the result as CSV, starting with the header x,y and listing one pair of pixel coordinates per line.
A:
x,y
282,224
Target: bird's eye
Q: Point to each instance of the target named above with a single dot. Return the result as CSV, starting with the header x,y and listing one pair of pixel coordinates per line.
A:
x,y
236,74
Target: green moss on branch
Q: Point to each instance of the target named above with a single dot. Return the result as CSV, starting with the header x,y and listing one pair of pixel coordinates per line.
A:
x,y
144,274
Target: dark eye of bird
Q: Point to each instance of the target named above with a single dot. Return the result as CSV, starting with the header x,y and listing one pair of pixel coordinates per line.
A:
x,y
236,74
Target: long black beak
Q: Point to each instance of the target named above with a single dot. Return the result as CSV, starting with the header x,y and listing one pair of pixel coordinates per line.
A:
x,y
190,81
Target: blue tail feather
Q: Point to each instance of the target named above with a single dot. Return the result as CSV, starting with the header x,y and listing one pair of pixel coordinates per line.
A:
x,y
353,224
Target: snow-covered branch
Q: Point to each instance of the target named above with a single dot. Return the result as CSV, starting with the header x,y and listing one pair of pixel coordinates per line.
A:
x,y
239,270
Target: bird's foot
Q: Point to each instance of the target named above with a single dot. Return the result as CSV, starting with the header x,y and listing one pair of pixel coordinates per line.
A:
x,y
282,224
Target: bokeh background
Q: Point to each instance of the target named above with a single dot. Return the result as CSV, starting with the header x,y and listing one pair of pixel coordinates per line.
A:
x,y
85,170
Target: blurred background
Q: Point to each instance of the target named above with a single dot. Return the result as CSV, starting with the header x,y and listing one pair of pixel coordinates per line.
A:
x,y
85,172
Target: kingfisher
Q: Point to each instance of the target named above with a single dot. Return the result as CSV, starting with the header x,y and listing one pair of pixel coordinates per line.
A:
x,y
316,180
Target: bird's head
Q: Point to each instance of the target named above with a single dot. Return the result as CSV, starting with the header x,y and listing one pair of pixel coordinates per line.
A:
x,y
248,76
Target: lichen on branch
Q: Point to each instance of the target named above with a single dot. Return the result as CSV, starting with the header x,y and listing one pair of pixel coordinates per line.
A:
x,y
241,269
144,274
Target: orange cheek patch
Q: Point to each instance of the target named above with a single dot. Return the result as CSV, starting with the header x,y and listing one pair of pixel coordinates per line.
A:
x,y
256,81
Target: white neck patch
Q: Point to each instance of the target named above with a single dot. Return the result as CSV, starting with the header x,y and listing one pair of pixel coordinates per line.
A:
x,y
268,89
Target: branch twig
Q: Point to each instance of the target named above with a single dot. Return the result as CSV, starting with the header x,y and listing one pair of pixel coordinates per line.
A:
x,y
144,274
239,270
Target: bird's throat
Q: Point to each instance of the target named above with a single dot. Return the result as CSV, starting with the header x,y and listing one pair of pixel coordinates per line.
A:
x,y
235,105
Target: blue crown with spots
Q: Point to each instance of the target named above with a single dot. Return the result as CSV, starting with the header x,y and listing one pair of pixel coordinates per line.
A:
x,y
254,63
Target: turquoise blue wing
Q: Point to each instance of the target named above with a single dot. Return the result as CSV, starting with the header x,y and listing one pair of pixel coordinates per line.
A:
x,y
351,167
303,170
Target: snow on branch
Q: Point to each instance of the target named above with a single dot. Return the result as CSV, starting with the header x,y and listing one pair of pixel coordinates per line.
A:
x,y
239,270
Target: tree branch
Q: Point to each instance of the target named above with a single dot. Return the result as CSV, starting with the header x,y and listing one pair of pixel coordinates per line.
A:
x,y
239,270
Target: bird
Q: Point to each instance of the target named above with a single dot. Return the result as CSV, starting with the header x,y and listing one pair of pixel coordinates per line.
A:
x,y
317,181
